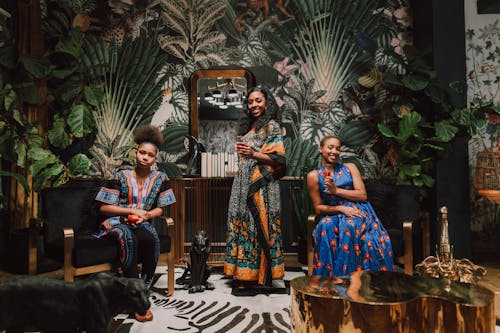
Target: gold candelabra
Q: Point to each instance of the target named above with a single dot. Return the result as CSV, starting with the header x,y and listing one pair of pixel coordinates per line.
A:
x,y
444,266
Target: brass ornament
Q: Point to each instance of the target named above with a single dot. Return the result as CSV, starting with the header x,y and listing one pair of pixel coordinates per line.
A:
x,y
444,265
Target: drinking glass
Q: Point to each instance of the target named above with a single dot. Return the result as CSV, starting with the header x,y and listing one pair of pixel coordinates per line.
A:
x,y
328,173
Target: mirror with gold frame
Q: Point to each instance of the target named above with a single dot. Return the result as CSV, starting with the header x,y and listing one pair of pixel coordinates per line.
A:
x,y
216,103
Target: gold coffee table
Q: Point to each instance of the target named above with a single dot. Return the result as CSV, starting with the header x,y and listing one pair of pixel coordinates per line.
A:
x,y
374,301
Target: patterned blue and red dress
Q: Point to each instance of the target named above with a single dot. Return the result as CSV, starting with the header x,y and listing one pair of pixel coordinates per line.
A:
x,y
344,244
125,192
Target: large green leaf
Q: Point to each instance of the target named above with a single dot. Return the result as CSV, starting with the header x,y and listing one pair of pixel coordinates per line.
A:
x,y
355,134
39,67
39,165
386,131
70,90
38,153
93,95
57,134
79,165
408,126
80,120
62,73
445,130
72,44
46,175
9,99
411,170
415,82
21,151
174,138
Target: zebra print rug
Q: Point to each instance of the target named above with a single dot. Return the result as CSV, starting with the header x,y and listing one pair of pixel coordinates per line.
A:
x,y
214,311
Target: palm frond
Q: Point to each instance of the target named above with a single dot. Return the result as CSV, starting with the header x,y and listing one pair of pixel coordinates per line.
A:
x,y
193,20
132,92
323,41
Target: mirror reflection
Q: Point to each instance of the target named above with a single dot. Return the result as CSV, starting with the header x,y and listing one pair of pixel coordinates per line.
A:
x,y
217,102
221,98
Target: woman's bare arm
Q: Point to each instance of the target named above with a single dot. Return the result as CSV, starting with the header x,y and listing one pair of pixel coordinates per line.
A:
x,y
313,190
358,194
319,207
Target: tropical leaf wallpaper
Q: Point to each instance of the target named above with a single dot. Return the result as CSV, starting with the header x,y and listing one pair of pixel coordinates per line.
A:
x,y
344,67
140,55
483,89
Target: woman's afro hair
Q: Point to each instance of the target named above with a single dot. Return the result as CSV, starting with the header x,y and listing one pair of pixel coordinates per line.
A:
x,y
148,133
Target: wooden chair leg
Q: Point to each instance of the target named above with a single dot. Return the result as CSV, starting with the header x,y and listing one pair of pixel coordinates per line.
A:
x,y
32,250
311,220
69,245
408,244
171,271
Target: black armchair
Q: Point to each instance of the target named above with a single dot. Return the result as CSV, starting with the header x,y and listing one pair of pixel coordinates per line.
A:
x,y
399,209
69,215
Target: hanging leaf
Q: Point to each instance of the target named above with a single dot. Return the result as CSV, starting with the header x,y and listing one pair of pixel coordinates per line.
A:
x,y
415,82
445,130
39,67
57,135
80,120
408,125
72,44
93,95
46,175
78,165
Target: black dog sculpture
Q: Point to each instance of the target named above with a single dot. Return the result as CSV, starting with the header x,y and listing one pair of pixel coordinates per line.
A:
x,y
197,273
48,305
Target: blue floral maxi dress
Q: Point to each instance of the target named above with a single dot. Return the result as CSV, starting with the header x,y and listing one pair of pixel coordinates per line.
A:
x,y
343,244
156,192
254,241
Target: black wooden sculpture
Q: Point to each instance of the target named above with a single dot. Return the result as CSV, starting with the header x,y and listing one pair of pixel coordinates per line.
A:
x,y
197,272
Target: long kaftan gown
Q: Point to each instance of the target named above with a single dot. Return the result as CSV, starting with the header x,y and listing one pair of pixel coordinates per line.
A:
x,y
254,241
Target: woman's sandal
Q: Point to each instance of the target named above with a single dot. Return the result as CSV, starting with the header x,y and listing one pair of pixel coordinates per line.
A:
x,y
145,317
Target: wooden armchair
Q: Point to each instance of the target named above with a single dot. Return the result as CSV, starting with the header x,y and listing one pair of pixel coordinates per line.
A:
x,y
398,208
68,218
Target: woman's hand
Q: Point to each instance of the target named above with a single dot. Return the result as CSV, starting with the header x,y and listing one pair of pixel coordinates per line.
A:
x,y
244,150
351,211
330,185
137,216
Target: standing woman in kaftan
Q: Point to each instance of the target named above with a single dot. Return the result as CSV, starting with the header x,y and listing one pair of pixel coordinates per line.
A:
x,y
254,242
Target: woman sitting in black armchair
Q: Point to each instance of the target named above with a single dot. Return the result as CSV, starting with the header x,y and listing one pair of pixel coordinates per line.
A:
x,y
140,195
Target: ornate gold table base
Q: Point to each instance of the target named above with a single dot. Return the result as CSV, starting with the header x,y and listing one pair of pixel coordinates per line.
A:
x,y
387,302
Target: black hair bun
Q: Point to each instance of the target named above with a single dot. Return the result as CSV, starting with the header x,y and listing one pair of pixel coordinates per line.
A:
x,y
148,133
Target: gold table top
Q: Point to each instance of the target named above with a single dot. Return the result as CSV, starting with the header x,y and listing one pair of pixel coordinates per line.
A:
x,y
378,287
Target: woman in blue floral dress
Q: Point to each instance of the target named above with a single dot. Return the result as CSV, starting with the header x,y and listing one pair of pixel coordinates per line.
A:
x,y
349,237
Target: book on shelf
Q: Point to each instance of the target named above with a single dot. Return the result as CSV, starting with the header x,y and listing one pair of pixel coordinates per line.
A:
x,y
218,164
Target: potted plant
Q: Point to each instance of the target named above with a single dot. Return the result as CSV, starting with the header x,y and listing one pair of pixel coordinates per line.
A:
x,y
402,96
